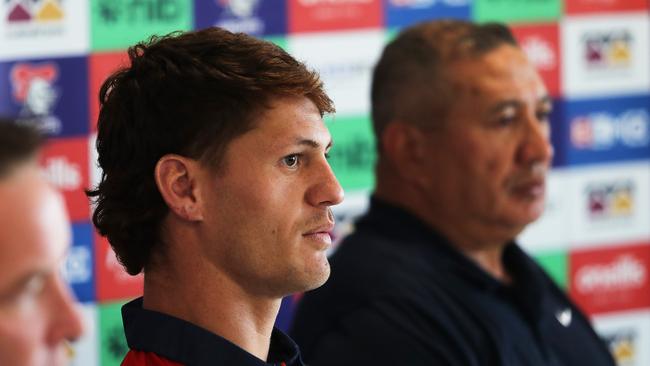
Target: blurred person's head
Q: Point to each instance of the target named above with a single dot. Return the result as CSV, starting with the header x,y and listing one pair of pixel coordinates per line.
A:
x,y
219,135
37,311
461,120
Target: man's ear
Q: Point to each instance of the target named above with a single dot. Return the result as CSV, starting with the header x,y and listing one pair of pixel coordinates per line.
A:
x,y
176,178
404,145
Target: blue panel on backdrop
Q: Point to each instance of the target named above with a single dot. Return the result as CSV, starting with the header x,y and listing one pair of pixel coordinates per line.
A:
x,y
607,130
51,94
285,315
402,13
558,133
254,17
78,268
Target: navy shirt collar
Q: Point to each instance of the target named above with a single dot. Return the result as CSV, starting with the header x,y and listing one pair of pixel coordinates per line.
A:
x,y
186,343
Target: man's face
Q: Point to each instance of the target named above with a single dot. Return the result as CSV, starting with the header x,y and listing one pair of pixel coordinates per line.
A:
x,y
488,163
268,213
37,312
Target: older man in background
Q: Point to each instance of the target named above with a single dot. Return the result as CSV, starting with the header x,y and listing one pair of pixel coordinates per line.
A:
x,y
432,275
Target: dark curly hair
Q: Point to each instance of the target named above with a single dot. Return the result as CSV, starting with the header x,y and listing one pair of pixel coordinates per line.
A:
x,y
411,81
188,94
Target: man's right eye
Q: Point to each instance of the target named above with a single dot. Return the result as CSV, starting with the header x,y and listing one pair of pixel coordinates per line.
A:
x,y
291,161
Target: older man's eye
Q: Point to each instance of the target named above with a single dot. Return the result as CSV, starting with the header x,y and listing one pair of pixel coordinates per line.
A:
x,y
507,116
291,161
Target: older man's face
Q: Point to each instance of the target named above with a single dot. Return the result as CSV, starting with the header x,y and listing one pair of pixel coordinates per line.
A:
x,y
37,313
488,164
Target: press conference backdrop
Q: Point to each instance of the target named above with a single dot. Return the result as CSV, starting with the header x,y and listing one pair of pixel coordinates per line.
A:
x,y
594,237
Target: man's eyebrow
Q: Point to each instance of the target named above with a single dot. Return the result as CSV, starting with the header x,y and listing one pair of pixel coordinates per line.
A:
x,y
312,143
504,104
546,99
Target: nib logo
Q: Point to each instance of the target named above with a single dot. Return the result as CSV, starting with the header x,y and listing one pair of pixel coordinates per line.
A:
x,y
625,272
62,174
540,52
22,11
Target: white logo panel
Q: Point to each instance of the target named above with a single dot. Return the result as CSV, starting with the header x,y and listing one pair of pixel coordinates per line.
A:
x,y
40,28
345,61
605,54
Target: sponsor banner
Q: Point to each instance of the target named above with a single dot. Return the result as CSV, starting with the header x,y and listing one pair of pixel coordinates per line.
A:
x,y
49,94
402,13
599,6
85,348
256,17
541,44
324,15
112,343
517,10
64,163
611,279
627,335
608,129
40,28
118,24
559,131
100,67
552,230
346,75
113,282
605,54
78,266
353,155
609,203
555,264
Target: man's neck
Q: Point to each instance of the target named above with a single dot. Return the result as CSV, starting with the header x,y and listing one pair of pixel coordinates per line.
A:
x,y
211,300
481,244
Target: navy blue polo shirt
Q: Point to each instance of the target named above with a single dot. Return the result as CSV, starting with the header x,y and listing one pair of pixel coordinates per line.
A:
x,y
176,341
400,294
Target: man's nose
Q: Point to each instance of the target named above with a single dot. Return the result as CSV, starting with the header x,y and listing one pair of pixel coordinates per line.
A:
x,y
66,323
326,190
536,146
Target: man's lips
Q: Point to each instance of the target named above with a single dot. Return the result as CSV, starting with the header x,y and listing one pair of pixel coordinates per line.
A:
x,y
532,188
321,234
325,228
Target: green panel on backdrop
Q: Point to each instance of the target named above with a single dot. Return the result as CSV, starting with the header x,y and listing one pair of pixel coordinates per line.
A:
x,y
516,10
555,265
353,155
112,344
117,24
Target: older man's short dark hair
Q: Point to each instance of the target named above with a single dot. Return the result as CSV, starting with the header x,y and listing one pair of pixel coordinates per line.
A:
x,y
411,81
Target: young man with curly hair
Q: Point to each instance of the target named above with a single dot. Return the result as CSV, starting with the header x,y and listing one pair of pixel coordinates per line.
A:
x,y
216,185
